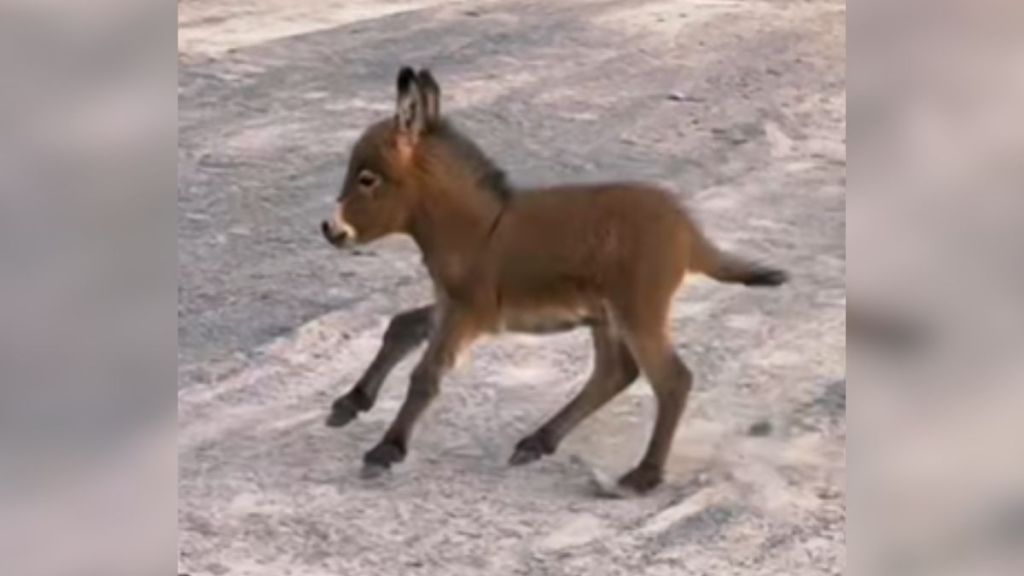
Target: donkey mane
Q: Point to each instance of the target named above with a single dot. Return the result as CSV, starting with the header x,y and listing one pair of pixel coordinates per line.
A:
x,y
491,177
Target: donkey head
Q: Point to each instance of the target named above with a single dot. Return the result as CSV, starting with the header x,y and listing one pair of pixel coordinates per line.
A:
x,y
382,185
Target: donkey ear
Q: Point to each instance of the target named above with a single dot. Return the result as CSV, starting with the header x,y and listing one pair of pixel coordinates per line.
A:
x,y
410,114
431,95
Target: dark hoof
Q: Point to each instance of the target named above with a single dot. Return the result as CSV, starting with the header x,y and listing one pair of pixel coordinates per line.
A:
x,y
342,412
641,480
384,455
373,471
528,450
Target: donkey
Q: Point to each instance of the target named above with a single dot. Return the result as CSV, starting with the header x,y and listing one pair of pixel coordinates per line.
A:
x,y
605,256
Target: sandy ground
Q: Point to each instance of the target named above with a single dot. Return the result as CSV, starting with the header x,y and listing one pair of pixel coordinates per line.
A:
x,y
738,105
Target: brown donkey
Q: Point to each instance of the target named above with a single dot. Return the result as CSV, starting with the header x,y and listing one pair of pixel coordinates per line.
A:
x,y
607,256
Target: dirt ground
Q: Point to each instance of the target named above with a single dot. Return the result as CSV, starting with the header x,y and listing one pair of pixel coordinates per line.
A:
x,y
738,105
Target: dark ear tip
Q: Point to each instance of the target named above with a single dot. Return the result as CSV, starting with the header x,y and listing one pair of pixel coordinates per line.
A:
x,y
406,76
426,78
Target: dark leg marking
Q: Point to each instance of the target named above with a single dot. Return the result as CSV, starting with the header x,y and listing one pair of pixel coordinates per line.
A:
x,y
406,331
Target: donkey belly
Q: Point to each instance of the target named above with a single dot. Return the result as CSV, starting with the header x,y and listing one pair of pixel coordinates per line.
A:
x,y
548,320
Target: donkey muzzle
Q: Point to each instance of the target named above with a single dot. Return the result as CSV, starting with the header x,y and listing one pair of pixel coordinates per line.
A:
x,y
337,236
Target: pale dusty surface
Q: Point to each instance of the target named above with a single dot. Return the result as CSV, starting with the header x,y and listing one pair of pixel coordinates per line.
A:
x,y
273,323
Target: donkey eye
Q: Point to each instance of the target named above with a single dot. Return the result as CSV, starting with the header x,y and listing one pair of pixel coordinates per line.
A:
x,y
367,179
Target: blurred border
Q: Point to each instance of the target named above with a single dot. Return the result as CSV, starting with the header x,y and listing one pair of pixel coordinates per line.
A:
x,y
87,296
936,281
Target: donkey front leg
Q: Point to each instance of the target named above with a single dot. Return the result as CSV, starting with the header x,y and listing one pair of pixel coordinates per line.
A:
x,y
405,332
453,334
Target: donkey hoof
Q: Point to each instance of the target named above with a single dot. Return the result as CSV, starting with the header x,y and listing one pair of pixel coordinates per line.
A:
x,y
342,412
373,471
641,480
384,455
529,449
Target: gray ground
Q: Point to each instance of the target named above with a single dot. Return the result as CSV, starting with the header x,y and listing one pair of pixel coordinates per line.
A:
x,y
738,105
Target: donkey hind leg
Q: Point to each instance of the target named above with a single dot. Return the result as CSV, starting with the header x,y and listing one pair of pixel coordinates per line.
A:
x,y
671,381
406,331
451,336
614,370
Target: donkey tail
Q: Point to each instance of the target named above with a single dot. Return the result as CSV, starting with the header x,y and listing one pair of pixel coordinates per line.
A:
x,y
725,267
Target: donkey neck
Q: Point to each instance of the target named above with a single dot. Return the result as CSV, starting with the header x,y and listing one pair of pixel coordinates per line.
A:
x,y
452,226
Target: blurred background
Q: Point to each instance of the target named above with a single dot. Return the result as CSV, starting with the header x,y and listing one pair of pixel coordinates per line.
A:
x,y
935,215
87,275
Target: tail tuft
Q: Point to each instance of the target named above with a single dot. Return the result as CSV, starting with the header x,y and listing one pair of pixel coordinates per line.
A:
x,y
726,267
763,276
732,268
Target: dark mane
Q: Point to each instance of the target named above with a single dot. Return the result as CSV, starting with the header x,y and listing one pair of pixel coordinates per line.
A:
x,y
491,176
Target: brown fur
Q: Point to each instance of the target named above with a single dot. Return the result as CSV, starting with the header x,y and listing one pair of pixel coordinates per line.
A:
x,y
609,256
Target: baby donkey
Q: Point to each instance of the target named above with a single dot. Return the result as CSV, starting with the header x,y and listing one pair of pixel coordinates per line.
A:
x,y
605,256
